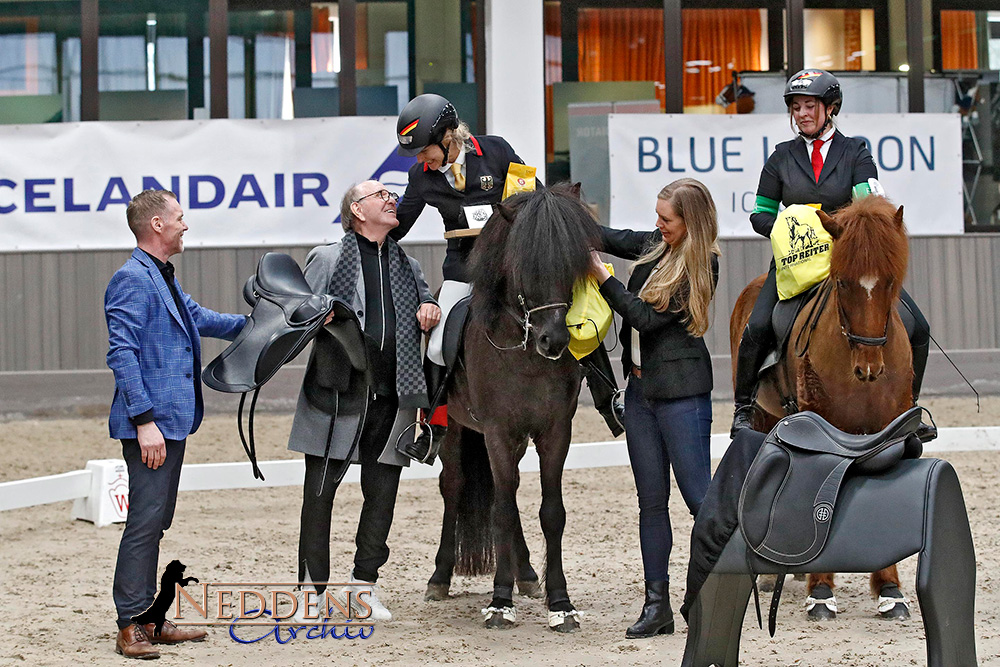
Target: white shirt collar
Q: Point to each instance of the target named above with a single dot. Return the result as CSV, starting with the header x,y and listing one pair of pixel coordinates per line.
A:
x,y
826,136
460,161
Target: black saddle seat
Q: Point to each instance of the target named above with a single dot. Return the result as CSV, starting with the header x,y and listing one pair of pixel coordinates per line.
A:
x,y
808,431
280,280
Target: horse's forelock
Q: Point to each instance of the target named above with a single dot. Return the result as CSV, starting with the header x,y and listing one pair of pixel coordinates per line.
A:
x,y
549,243
872,242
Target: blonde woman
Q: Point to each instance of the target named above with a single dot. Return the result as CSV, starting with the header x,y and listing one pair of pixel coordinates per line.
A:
x,y
668,407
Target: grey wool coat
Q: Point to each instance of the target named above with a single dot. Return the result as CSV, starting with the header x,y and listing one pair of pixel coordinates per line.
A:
x,y
310,425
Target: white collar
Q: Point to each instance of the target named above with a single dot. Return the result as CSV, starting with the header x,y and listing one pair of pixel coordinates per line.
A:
x,y
460,161
826,136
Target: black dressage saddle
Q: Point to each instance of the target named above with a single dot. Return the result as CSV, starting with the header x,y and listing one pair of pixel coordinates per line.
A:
x,y
790,492
789,497
286,315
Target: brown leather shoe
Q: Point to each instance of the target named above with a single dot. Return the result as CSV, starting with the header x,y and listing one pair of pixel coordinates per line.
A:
x,y
132,642
171,634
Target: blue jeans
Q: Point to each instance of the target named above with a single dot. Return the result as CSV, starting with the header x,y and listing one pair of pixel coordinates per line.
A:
x,y
661,434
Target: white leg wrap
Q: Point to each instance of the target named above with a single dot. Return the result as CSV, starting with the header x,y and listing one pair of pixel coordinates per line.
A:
x,y
886,603
557,618
830,602
508,613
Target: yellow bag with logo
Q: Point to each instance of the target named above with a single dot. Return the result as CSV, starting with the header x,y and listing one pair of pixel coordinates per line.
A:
x,y
520,178
801,250
589,316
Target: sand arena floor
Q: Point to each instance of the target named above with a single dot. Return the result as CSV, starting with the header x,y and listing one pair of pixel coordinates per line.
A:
x,y
55,573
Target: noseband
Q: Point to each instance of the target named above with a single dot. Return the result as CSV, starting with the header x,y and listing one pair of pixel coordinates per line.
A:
x,y
525,322
854,339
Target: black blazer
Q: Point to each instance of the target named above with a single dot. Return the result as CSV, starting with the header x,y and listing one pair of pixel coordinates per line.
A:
x,y
788,176
675,364
485,174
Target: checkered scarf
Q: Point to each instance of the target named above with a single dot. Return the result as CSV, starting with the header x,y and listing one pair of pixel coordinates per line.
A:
x,y
410,384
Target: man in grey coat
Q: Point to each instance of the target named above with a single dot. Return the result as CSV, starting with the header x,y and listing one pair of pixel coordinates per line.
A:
x,y
387,291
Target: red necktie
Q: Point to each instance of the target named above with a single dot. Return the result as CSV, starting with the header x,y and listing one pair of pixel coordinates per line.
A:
x,y
817,158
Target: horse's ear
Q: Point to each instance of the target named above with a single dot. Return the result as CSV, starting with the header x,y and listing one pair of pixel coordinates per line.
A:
x,y
899,216
575,189
829,224
506,211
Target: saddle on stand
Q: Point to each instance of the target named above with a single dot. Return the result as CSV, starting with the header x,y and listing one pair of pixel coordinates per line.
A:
x,y
790,494
286,315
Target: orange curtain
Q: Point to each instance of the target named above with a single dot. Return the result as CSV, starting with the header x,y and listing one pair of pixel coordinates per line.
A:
x,y
322,58
958,40
716,42
627,45
852,40
622,45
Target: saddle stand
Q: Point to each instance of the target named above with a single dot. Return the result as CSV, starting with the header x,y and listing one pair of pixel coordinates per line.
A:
x,y
857,485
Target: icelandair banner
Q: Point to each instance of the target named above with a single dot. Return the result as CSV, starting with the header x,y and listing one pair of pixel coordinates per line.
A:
x,y
919,160
240,182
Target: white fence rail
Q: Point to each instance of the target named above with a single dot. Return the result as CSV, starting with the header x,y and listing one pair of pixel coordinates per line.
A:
x,y
101,491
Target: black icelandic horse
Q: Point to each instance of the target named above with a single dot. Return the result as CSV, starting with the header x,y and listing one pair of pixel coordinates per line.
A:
x,y
515,380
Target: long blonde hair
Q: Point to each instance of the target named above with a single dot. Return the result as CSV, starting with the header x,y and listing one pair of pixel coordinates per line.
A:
x,y
686,269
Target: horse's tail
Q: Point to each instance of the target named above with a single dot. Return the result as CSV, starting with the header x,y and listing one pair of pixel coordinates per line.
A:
x,y
474,553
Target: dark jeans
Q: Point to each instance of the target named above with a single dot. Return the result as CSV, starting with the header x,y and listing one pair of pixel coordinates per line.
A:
x,y
379,483
152,495
660,435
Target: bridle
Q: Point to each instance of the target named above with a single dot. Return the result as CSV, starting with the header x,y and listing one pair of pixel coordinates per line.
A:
x,y
854,339
525,322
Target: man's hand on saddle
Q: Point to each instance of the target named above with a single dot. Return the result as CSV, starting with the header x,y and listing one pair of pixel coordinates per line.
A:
x,y
597,268
154,449
428,315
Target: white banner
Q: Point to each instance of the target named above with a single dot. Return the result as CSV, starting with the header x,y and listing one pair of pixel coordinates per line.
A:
x,y
919,160
240,182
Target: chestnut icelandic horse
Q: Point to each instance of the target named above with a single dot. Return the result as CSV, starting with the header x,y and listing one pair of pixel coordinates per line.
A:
x,y
848,357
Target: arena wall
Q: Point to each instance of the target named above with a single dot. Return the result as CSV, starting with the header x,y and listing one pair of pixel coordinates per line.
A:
x,y
52,323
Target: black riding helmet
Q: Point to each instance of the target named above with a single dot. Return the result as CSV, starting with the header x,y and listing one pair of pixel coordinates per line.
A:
x,y
424,121
816,83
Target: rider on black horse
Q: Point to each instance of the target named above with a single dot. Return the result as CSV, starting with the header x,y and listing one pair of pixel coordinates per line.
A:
x,y
820,166
455,171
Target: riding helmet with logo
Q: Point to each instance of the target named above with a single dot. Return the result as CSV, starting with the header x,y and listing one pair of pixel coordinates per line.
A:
x,y
816,83
424,121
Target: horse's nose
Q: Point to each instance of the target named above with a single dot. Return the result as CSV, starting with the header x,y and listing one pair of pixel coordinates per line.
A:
x,y
868,372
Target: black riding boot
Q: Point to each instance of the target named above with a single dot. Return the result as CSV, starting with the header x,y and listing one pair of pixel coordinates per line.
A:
x,y
747,364
656,618
925,432
603,387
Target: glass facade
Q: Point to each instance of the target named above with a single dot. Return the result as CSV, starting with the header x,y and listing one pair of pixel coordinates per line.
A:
x,y
284,60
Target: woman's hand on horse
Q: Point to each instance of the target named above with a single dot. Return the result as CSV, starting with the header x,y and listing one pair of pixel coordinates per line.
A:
x,y
428,315
597,268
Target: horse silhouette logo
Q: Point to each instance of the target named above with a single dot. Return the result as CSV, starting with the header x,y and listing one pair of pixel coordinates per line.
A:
x,y
800,235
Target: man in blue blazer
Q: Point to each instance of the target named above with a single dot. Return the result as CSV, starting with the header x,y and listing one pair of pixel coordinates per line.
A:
x,y
154,350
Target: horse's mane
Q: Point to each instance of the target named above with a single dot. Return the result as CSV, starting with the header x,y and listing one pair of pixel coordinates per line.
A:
x,y
536,238
872,242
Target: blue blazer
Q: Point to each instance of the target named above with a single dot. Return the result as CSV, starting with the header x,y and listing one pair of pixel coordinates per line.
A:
x,y
154,351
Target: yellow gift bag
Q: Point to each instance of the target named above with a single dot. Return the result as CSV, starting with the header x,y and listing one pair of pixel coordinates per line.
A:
x,y
801,250
589,316
520,178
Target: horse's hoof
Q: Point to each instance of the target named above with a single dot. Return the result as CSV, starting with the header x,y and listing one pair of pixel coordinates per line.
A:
x,y
436,592
530,588
893,607
821,609
499,618
565,621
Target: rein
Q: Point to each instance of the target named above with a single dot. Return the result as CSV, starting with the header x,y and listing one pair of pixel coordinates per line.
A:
x,y
525,322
